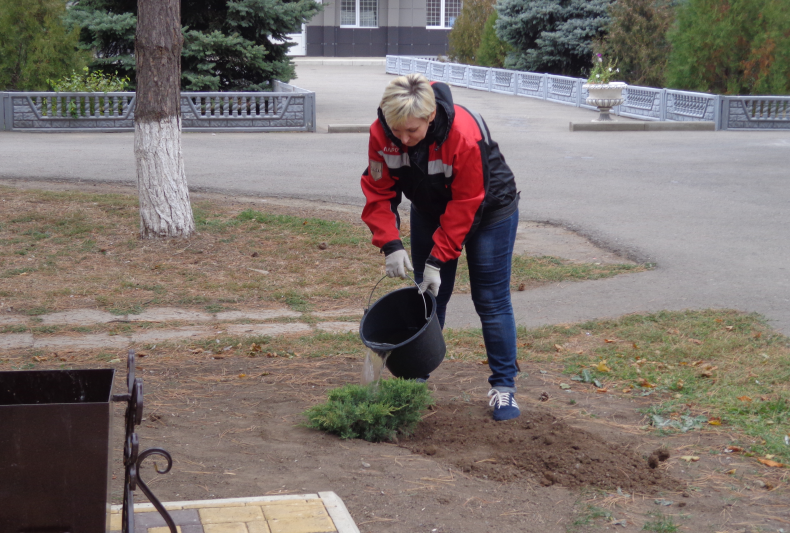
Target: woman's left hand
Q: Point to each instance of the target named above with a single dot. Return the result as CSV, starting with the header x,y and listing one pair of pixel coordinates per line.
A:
x,y
431,280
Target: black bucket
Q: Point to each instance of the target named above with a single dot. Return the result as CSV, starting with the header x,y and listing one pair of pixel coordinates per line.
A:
x,y
404,323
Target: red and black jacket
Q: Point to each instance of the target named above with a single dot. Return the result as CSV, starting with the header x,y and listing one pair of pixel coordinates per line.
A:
x,y
456,176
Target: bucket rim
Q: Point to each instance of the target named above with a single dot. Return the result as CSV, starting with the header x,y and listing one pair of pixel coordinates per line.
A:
x,y
419,332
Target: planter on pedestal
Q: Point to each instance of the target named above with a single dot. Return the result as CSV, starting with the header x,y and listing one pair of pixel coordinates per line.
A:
x,y
605,96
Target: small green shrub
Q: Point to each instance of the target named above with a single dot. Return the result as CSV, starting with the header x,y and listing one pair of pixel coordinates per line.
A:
x,y
371,412
89,82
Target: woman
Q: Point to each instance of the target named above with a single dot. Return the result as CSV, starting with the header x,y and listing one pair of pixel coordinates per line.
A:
x,y
442,158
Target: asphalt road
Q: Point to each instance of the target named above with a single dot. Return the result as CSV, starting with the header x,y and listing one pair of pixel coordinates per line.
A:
x,y
711,209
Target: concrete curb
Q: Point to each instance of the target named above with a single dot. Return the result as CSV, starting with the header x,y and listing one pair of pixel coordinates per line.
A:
x,y
348,128
340,61
643,126
338,513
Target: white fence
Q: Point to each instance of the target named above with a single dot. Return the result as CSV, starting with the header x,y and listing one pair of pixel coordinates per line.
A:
x,y
643,103
287,108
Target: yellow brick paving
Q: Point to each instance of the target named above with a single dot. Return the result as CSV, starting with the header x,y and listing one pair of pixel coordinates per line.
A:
x,y
309,513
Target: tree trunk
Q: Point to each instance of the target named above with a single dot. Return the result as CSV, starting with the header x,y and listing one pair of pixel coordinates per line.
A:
x,y
165,210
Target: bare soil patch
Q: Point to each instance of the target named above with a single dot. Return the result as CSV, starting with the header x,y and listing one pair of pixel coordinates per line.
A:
x,y
234,426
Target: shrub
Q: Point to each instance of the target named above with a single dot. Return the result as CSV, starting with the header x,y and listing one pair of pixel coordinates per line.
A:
x,y
731,47
637,38
35,44
89,82
372,412
465,37
493,50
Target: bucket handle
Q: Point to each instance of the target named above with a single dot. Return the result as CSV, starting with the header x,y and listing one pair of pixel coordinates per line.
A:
x,y
424,303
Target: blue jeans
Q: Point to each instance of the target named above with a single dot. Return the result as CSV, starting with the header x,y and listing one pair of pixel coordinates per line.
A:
x,y
489,253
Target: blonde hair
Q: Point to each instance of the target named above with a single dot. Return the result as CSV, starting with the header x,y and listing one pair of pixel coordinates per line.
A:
x,y
407,96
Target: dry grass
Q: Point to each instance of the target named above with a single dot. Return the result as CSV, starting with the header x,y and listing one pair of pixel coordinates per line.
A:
x,y
68,250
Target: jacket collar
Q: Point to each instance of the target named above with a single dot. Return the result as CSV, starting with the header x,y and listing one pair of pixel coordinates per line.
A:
x,y
442,123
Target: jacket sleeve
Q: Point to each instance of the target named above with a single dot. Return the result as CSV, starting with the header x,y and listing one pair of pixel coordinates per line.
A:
x,y
382,196
468,192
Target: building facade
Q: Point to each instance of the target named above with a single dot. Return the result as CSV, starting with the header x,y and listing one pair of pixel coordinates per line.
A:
x,y
375,28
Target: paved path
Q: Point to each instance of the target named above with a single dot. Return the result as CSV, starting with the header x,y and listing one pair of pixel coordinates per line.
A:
x,y
712,209
324,512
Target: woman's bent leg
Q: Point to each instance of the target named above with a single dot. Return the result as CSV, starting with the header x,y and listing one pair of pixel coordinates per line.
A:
x,y
489,254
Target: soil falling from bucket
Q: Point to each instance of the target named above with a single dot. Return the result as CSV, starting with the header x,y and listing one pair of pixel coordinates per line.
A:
x,y
372,366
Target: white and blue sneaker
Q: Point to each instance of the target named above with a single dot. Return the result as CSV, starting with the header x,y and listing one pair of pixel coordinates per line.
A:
x,y
504,404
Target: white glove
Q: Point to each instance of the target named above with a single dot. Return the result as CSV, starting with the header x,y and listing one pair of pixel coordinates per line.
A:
x,y
430,280
397,263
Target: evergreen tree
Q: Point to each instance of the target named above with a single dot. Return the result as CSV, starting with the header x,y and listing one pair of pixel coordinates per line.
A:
x,y
731,47
35,44
637,40
493,50
464,39
229,45
551,35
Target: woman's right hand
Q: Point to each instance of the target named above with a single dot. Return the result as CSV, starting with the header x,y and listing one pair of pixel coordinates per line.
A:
x,y
397,263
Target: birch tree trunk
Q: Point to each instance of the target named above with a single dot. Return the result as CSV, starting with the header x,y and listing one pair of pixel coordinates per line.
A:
x,y
165,210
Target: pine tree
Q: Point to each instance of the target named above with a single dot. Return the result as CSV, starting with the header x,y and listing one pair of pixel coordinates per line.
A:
x,y
637,40
493,50
731,47
464,39
553,36
228,44
36,45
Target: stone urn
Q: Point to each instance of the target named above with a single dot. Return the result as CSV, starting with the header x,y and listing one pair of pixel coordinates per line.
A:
x,y
605,96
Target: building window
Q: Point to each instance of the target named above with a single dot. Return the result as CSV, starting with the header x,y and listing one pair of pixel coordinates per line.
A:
x,y
359,13
442,13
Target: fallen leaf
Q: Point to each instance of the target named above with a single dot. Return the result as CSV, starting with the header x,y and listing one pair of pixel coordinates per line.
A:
x,y
697,363
559,347
610,341
39,359
483,362
729,328
141,354
635,346
522,286
242,375
769,463
690,458
673,331
626,391
601,390
258,270
564,386
758,335
197,350
744,398
695,341
733,449
645,383
730,472
715,421
601,367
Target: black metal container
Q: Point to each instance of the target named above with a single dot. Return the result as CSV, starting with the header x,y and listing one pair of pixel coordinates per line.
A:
x,y
54,451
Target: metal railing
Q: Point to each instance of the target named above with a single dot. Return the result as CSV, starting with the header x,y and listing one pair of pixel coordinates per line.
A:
x,y
286,108
643,103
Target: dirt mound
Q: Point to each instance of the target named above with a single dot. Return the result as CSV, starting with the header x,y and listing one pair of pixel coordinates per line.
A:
x,y
537,446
